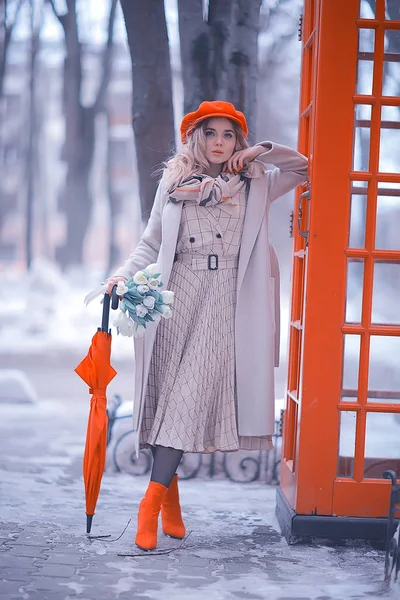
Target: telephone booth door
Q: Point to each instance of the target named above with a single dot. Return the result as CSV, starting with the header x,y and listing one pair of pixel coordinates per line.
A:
x,y
342,415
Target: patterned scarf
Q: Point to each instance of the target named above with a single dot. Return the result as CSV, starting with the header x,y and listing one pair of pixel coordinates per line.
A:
x,y
222,190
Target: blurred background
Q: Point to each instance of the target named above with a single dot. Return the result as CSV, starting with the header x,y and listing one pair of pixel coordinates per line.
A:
x,y
91,97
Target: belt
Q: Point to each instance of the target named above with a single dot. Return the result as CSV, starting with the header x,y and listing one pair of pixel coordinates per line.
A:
x,y
212,262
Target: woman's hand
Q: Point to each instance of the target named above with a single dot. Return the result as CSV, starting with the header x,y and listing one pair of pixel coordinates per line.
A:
x,y
241,158
111,281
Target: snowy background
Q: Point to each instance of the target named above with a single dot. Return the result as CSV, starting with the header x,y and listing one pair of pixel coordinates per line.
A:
x,y
43,321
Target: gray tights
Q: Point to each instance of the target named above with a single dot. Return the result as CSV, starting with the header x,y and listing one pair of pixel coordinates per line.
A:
x,y
165,463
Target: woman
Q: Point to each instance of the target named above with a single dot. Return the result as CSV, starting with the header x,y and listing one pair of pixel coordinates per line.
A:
x,y
204,379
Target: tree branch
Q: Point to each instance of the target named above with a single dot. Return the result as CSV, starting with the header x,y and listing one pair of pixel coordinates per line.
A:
x,y
106,61
61,18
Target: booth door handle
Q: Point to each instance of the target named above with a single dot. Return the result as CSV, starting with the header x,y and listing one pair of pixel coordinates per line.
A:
x,y
307,195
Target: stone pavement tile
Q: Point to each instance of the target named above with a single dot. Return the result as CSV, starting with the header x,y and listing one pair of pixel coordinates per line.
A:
x,y
16,562
23,575
72,548
28,551
57,570
58,558
97,568
186,581
39,583
53,595
10,587
247,596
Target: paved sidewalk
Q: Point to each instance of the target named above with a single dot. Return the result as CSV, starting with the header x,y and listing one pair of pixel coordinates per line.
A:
x,y
235,550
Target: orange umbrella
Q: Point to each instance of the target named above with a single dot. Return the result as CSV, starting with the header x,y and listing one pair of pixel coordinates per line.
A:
x,y
96,371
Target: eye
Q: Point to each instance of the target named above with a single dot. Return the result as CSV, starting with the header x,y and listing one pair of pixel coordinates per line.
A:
x,y
209,132
228,135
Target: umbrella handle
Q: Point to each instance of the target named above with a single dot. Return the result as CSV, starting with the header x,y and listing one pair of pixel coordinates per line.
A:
x,y
106,308
114,298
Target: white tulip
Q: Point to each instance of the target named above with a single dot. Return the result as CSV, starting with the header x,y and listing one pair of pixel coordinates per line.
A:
x,y
124,324
153,283
167,296
166,311
156,316
141,310
139,278
149,302
122,288
152,269
142,289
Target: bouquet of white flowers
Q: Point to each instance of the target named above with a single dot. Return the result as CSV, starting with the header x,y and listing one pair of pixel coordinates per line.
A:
x,y
141,302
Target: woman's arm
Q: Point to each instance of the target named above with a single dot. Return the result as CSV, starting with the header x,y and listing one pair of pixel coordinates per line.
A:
x,y
290,168
146,252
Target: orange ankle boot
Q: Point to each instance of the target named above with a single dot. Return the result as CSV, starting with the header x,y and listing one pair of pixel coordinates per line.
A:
x,y
171,516
149,508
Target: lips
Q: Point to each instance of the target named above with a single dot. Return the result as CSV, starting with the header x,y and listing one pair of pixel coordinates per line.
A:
x,y
217,152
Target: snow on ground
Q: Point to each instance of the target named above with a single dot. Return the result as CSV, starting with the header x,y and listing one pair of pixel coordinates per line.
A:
x,y
43,311
235,549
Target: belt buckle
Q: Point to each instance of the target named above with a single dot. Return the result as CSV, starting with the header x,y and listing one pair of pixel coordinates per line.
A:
x,y
215,267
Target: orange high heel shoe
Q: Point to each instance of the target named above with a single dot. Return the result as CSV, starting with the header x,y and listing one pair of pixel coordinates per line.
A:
x,y
149,509
171,516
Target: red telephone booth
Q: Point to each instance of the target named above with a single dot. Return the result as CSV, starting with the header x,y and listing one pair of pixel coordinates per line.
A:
x,y
342,416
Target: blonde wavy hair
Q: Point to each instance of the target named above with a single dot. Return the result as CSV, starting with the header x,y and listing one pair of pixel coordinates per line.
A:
x,y
191,159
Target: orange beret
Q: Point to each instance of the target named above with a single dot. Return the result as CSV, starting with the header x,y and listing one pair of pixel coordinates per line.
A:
x,y
207,110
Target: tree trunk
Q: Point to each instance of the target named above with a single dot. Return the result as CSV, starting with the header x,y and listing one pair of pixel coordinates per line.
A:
x,y
6,29
79,135
221,23
195,53
219,57
152,109
32,138
243,60
77,198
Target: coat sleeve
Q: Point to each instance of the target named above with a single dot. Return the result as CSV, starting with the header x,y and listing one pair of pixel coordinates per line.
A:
x,y
146,252
290,168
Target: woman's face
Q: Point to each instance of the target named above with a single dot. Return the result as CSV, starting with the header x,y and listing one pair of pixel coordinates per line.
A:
x,y
220,140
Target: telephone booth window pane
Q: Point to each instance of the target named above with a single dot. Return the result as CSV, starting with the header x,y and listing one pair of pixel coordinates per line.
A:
x,y
367,9
365,62
384,370
351,361
358,214
347,442
392,10
382,444
362,134
389,159
391,64
386,294
354,290
388,217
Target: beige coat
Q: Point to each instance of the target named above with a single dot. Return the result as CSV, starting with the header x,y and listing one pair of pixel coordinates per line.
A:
x,y
257,320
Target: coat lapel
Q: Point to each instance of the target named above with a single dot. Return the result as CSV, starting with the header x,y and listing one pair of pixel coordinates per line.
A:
x,y
256,205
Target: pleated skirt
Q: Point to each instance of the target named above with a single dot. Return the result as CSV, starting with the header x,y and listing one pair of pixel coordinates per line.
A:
x,y
191,399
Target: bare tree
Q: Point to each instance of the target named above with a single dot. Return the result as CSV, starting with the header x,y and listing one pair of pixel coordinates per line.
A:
x,y
7,26
219,53
36,22
79,132
152,108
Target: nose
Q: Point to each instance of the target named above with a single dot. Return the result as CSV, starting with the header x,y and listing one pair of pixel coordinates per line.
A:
x,y
218,140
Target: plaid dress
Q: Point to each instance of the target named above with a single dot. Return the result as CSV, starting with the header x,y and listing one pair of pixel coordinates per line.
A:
x,y
190,400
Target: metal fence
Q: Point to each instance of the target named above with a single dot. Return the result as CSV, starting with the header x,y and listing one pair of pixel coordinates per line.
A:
x,y
240,466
